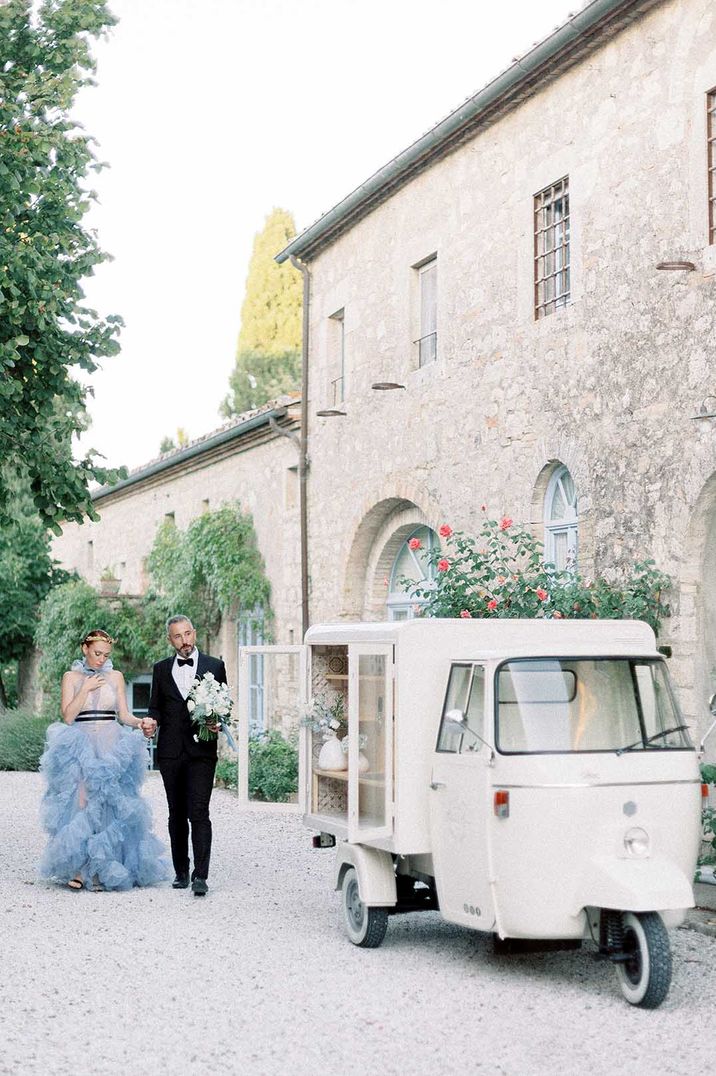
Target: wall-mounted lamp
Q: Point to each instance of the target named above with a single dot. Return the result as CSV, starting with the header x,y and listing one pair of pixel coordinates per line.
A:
x,y
704,411
688,266
385,386
329,412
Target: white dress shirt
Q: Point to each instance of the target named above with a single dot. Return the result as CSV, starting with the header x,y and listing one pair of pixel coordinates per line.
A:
x,y
184,675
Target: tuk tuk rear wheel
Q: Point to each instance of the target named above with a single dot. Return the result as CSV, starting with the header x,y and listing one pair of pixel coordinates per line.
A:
x,y
365,927
645,975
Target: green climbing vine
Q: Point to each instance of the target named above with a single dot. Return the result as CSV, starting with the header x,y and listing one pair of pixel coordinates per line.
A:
x,y
211,569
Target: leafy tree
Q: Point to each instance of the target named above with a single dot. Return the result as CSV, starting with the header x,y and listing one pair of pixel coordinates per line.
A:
x,y
47,334
268,358
26,575
501,573
168,444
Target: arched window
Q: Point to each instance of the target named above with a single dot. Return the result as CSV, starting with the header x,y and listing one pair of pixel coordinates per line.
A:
x,y
411,563
560,521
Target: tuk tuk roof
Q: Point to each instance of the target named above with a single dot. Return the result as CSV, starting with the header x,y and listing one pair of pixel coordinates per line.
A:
x,y
498,637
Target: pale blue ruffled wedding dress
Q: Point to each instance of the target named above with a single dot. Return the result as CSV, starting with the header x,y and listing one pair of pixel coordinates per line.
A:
x,y
100,827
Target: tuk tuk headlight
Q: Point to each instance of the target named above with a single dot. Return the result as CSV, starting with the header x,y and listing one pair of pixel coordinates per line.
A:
x,y
636,842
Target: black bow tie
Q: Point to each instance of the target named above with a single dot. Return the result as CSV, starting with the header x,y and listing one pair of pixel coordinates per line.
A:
x,y
185,661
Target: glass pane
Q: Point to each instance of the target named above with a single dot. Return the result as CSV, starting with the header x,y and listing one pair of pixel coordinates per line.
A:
x,y
412,563
428,299
371,735
475,717
585,705
568,488
427,349
658,708
451,729
140,696
558,507
273,739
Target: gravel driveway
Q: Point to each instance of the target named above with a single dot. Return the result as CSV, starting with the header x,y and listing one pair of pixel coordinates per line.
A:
x,y
258,977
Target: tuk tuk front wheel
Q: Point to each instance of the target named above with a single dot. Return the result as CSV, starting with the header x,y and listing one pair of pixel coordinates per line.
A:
x,y
645,973
365,926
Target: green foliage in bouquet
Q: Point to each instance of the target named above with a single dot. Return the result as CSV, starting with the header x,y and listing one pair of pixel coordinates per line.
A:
x,y
502,573
273,767
22,739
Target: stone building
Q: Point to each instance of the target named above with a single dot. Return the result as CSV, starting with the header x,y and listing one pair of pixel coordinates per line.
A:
x,y
250,460
537,275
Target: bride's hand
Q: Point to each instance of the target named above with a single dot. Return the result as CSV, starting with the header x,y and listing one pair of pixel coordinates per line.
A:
x,y
92,683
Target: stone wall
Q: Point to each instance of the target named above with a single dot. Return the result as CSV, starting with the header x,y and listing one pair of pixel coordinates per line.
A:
x,y
261,476
607,386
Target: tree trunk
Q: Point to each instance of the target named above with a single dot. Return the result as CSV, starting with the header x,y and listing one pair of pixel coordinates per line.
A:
x,y
3,696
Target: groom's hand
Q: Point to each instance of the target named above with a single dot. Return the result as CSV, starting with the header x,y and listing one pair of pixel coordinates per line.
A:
x,y
148,726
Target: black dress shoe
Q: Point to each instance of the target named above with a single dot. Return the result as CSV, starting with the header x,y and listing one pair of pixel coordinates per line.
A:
x,y
199,887
181,882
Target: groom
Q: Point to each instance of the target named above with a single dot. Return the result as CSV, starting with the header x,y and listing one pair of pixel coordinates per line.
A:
x,y
186,765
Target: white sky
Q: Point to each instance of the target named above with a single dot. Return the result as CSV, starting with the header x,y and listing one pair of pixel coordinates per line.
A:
x,y
212,112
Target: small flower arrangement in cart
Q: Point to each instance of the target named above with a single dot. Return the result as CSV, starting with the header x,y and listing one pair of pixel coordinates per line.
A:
x,y
328,720
210,704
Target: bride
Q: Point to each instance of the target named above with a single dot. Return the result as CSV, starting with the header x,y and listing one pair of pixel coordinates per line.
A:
x,y
99,825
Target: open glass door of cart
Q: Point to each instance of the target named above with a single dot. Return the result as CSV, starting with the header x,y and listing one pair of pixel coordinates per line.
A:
x,y
272,701
370,741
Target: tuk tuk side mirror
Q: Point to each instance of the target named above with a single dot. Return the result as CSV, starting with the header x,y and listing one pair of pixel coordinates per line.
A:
x,y
710,729
456,719
712,704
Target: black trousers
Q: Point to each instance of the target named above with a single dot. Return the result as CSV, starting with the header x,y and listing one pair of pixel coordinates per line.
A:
x,y
188,783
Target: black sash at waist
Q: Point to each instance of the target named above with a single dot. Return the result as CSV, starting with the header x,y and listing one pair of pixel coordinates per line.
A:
x,y
96,715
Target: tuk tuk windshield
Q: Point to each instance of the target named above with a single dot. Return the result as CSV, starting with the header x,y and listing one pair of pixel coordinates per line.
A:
x,y
586,704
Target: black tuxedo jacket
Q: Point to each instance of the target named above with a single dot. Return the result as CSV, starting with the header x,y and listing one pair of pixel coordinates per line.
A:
x,y
169,710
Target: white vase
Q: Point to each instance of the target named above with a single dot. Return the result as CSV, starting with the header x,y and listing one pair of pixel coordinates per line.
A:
x,y
332,756
363,763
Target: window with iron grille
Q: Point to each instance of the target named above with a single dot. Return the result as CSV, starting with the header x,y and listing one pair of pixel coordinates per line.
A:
x,y
551,216
711,147
428,339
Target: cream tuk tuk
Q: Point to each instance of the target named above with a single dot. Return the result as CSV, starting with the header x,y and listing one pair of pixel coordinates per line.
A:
x,y
529,779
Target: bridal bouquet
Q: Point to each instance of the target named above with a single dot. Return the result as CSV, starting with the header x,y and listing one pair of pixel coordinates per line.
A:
x,y
209,703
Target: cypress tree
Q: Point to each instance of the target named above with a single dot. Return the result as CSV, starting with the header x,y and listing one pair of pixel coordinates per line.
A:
x,y
268,356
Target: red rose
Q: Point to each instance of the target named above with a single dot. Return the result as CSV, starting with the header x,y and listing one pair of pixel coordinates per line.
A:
x,y
445,531
443,565
505,523
465,614
492,604
541,594
414,543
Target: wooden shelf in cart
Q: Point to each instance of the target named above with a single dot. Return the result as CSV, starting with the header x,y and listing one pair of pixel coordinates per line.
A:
x,y
342,775
344,677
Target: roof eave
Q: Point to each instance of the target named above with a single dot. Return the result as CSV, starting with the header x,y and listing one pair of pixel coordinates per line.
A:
x,y
583,32
179,459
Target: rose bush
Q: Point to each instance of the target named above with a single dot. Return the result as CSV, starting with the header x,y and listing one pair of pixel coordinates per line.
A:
x,y
502,573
